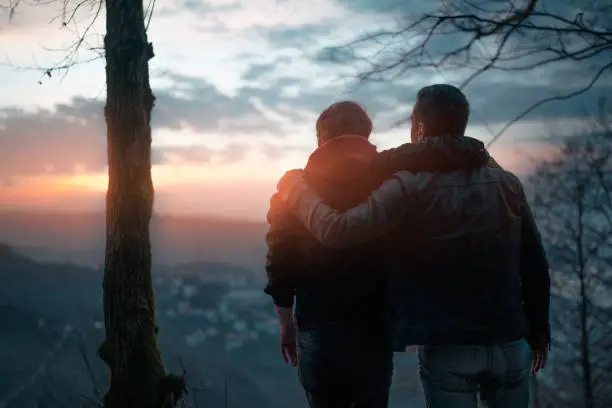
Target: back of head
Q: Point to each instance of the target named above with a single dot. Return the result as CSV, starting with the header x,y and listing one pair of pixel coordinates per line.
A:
x,y
343,118
440,109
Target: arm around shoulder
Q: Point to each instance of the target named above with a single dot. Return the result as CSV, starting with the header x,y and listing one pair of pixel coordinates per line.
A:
x,y
382,212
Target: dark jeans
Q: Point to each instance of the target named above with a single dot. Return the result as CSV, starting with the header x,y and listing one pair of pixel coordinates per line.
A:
x,y
453,376
346,365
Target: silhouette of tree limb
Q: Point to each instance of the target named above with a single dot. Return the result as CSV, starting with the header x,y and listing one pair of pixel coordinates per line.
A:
x,y
96,399
68,20
524,35
130,349
544,101
572,197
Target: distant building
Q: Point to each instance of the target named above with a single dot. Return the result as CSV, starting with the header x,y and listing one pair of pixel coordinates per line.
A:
x,y
189,291
196,338
183,307
247,296
235,341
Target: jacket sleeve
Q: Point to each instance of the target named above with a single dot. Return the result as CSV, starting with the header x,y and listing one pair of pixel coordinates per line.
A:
x,y
383,211
535,277
283,256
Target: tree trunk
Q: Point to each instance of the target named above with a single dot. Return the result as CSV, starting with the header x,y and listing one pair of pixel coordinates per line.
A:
x,y
585,350
130,349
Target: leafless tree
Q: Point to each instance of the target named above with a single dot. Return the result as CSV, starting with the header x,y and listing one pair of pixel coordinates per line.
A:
x,y
515,36
130,349
572,202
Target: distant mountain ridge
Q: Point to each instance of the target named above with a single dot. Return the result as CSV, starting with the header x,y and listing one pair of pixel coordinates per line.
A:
x,y
62,292
79,238
49,310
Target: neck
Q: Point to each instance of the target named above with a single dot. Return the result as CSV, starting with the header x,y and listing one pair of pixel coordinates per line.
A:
x,y
440,135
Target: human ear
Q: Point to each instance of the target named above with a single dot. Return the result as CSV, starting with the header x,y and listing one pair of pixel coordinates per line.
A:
x,y
420,131
321,136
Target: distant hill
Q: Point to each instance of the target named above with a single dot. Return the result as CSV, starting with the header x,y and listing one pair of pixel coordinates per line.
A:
x,y
48,311
62,292
79,238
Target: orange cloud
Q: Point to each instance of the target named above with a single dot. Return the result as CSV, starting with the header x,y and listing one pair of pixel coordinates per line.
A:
x,y
44,193
225,188
522,157
230,190
230,198
71,137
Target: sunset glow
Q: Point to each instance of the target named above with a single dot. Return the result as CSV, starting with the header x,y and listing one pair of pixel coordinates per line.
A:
x,y
227,123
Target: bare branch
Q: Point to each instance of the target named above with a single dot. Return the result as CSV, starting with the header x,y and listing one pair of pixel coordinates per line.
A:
x,y
71,53
572,209
149,13
526,36
541,102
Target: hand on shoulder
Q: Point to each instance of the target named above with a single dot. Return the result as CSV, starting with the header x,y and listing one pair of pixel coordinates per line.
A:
x,y
278,202
276,205
288,181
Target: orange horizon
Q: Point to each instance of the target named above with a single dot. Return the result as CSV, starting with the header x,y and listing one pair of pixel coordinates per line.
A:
x,y
234,191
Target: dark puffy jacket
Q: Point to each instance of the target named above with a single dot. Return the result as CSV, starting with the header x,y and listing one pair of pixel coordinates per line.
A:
x,y
331,285
467,265
299,265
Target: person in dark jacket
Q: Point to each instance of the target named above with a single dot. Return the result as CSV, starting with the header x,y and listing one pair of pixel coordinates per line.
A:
x,y
344,355
468,280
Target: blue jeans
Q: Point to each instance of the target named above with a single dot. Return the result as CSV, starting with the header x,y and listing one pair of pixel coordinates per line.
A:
x,y
454,376
345,365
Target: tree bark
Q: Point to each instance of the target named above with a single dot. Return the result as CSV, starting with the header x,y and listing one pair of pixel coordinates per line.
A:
x,y
130,349
585,349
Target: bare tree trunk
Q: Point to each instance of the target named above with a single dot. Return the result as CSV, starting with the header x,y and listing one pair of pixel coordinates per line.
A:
x,y
130,349
585,352
585,357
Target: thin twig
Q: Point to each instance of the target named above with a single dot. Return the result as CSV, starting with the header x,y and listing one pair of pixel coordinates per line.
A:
x,y
526,37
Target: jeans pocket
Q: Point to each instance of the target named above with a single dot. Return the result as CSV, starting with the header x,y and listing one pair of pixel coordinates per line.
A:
x,y
518,360
455,358
316,366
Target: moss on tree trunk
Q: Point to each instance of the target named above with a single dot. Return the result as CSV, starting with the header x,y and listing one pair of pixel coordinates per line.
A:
x,y
130,349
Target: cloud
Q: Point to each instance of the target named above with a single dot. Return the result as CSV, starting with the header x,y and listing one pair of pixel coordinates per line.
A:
x,y
494,98
239,199
247,14
299,37
392,7
277,109
204,7
279,89
231,153
52,141
262,70
72,136
198,154
523,157
193,103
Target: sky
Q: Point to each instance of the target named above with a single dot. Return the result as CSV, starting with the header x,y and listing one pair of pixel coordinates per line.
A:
x,y
239,85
